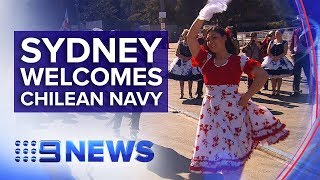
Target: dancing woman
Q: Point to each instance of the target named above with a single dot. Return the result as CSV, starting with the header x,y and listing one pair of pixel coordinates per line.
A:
x,y
276,63
230,125
181,69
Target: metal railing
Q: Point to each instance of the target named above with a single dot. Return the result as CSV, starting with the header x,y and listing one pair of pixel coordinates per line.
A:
x,y
244,37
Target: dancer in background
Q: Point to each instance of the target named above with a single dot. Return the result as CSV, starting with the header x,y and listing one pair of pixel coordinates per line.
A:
x,y
180,69
276,63
230,124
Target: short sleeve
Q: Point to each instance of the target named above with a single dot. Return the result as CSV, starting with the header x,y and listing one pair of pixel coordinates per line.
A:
x,y
201,58
247,65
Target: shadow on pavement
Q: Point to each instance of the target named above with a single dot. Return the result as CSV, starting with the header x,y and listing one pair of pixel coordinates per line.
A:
x,y
274,112
168,164
301,99
194,101
280,103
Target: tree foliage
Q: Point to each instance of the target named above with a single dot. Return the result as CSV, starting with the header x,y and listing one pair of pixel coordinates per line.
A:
x,y
241,13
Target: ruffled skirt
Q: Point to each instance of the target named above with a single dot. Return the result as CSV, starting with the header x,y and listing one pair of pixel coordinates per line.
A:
x,y
183,71
278,69
227,133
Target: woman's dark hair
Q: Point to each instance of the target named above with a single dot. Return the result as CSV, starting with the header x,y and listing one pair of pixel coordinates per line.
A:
x,y
230,46
233,30
282,31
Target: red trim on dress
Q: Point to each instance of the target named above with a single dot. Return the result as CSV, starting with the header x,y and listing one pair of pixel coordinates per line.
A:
x,y
241,160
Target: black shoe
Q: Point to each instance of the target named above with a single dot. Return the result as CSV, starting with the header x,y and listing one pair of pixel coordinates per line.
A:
x,y
294,94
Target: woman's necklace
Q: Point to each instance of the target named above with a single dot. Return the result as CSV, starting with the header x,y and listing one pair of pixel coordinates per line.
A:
x,y
226,62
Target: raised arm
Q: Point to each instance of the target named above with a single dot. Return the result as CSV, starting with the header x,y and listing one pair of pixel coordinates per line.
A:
x,y
206,13
192,37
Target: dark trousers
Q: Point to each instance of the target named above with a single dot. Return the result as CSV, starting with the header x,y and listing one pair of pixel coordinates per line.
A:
x,y
300,61
200,88
134,124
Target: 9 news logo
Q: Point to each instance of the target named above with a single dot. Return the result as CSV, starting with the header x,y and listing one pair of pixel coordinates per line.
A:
x,y
83,151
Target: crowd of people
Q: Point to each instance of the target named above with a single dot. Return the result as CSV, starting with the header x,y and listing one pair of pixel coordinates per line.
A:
x,y
271,52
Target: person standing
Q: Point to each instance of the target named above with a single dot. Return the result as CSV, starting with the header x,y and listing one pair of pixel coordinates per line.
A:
x,y
230,125
180,69
263,51
264,44
276,63
300,52
201,40
252,50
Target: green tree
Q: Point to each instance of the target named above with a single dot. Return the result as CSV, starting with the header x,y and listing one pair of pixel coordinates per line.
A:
x,y
145,11
245,14
187,10
92,10
255,14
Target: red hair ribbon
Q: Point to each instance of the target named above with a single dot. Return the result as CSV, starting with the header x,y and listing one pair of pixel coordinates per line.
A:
x,y
228,32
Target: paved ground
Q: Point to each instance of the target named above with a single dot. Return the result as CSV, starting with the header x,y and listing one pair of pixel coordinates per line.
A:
x,y
173,134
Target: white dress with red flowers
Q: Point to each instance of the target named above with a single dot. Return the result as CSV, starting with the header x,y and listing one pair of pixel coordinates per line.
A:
x,y
227,133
